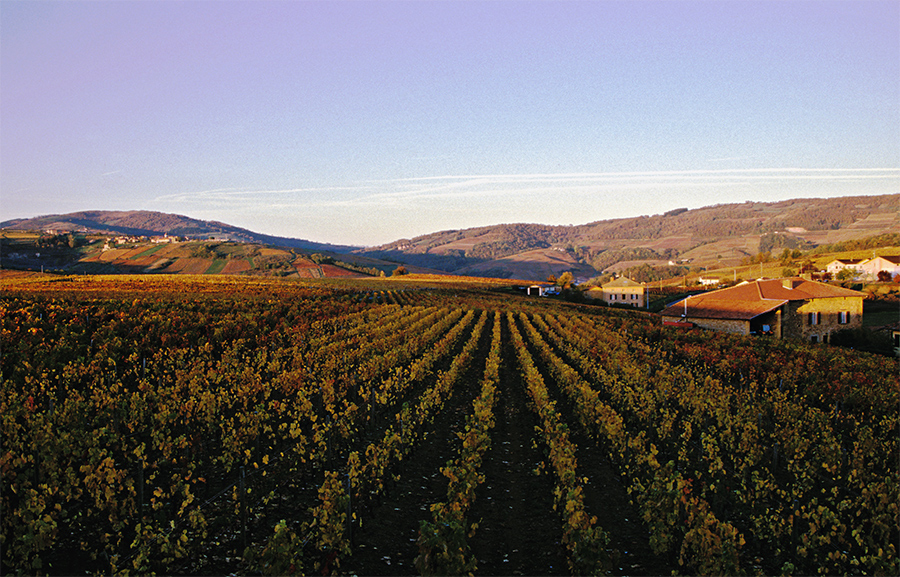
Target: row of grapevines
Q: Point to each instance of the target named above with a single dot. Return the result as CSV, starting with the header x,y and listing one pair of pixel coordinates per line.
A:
x,y
677,519
828,469
584,540
863,384
106,452
442,541
331,518
731,440
366,474
399,437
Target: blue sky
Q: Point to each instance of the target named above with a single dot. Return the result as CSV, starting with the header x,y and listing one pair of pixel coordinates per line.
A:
x,y
365,122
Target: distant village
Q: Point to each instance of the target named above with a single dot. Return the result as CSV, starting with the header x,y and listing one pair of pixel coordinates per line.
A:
x,y
135,239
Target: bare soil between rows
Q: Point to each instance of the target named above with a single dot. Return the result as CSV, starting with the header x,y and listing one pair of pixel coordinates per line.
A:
x,y
519,532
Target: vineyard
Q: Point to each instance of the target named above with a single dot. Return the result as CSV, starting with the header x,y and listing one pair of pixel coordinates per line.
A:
x,y
187,425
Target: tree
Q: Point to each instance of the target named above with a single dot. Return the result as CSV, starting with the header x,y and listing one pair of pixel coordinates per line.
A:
x,y
884,276
786,256
551,278
565,280
399,271
846,274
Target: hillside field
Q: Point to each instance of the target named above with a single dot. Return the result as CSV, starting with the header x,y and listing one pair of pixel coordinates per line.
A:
x,y
101,254
214,424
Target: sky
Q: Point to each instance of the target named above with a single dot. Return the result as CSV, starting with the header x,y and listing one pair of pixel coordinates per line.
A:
x,y
366,122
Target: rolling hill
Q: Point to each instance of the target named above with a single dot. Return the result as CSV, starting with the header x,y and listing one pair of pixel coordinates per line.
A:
x,y
150,223
711,237
720,235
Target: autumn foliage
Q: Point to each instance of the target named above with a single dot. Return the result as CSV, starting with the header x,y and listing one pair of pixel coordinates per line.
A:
x,y
203,426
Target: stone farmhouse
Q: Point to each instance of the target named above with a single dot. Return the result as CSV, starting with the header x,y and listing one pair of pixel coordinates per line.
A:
x,y
621,291
792,308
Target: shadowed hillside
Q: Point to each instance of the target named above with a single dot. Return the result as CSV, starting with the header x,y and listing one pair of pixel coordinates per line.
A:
x,y
720,235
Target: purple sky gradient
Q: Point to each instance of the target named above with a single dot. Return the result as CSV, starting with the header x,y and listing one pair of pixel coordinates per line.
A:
x,y
332,120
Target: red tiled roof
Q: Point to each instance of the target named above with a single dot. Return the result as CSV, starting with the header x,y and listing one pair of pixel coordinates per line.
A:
x,y
620,282
749,300
803,290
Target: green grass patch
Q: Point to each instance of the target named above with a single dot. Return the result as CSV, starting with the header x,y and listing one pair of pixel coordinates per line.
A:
x,y
217,266
152,250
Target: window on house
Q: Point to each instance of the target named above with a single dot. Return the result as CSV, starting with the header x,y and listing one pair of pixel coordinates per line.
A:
x,y
843,317
814,318
814,338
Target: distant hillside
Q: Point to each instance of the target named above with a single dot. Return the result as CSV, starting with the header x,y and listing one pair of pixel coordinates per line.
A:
x,y
149,223
710,237
718,235
96,253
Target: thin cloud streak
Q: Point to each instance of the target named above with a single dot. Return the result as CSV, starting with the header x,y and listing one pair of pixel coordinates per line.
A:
x,y
658,173
399,190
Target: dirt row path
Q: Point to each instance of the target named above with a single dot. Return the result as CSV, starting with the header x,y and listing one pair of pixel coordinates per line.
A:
x,y
606,496
386,542
519,532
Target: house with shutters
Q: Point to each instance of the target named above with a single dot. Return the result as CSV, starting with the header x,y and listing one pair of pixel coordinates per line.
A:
x,y
791,308
621,291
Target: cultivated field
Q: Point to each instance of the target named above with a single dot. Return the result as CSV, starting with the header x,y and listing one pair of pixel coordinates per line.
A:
x,y
220,425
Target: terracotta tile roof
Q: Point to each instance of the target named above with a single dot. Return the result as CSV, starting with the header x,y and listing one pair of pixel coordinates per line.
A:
x,y
621,282
702,306
803,289
751,299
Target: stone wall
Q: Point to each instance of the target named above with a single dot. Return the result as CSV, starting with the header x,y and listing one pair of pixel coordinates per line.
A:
x,y
722,325
796,324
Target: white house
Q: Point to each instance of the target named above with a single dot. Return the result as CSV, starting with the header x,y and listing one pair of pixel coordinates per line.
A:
x,y
839,264
871,267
